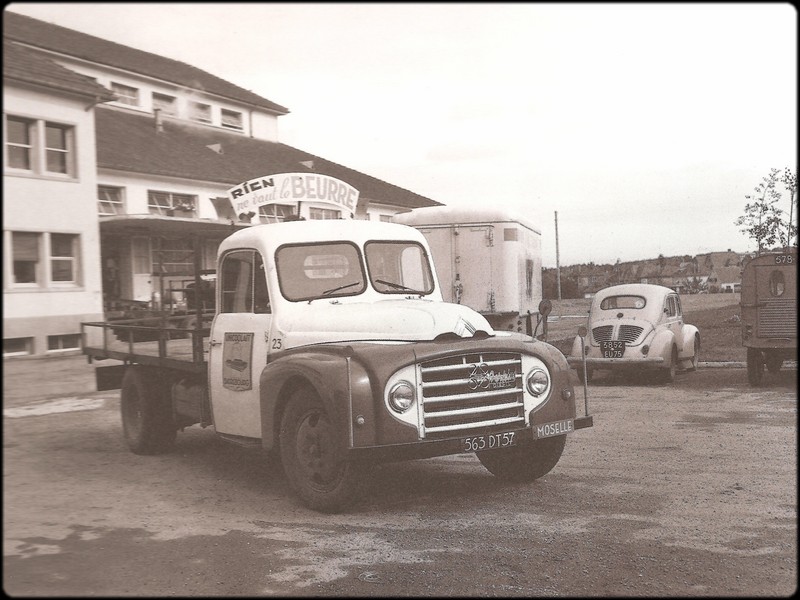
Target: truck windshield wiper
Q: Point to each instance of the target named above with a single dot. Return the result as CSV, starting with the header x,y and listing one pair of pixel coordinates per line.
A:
x,y
341,287
398,286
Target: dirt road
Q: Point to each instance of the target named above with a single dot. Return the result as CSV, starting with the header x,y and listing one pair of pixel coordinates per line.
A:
x,y
687,489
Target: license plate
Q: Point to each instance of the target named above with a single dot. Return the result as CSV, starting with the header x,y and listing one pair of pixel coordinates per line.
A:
x,y
476,443
612,349
552,429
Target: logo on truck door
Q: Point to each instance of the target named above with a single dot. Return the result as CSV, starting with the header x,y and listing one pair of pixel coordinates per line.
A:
x,y
237,359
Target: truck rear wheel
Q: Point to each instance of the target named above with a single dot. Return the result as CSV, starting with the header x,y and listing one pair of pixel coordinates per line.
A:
x,y
312,458
147,420
526,462
755,366
774,362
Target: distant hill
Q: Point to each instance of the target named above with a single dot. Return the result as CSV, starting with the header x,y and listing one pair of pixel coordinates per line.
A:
x,y
710,272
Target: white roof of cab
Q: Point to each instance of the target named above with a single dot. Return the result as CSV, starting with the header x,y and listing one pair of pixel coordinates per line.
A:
x,y
451,215
647,290
272,235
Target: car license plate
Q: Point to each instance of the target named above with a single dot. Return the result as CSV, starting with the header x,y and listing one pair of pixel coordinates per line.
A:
x,y
476,443
612,349
553,429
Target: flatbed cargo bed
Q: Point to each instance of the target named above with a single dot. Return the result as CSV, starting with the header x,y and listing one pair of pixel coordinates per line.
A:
x,y
168,345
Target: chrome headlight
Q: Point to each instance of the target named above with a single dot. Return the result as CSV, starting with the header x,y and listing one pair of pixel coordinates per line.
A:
x,y
537,381
401,396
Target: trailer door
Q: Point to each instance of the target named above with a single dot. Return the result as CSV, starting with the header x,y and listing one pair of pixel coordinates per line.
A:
x,y
238,347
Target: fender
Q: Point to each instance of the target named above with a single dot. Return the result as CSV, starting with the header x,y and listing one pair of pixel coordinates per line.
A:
x,y
662,345
686,347
325,371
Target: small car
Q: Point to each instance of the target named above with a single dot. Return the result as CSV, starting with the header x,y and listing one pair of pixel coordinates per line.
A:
x,y
636,326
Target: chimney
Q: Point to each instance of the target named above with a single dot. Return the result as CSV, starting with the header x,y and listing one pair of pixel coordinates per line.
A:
x,y
159,120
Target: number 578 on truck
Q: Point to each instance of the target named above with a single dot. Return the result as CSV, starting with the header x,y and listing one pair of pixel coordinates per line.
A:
x,y
331,348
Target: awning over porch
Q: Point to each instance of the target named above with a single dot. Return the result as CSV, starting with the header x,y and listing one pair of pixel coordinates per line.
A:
x,y
161,225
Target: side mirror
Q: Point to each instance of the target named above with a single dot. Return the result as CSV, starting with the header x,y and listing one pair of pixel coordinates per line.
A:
x,y
545,308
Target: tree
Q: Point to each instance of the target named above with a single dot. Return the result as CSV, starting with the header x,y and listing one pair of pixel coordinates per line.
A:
x,y
789,180
761,220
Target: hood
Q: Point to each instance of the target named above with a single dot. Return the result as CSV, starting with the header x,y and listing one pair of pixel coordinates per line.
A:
x,y
389,320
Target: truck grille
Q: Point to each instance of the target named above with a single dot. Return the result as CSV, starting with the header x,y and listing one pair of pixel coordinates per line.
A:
x,y
778,318
629,333
602,333
467,393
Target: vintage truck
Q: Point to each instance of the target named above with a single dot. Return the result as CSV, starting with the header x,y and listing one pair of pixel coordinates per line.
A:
x,y
332,348
769,312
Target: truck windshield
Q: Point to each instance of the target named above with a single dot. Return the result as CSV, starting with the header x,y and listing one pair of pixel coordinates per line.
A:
x,y
399,268
327,270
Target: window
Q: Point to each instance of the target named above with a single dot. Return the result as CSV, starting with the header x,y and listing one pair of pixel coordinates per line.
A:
x,y
63,253
126,94
232,119
671,308
19,143
617,302
244,283
777,284
109,200
274,213
385,218
308,271
200,112
399,268
165,103
166,203
324,213
71,341
26,257
173,256
39,147
17,346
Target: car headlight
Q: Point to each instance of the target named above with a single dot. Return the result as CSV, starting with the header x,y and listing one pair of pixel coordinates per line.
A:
x,y
537,382
401,396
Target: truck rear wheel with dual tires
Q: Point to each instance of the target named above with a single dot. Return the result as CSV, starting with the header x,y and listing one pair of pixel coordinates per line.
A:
x,y
147,421
313,460
525,462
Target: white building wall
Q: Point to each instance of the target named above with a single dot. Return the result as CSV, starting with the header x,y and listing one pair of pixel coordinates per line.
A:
x,y
52,204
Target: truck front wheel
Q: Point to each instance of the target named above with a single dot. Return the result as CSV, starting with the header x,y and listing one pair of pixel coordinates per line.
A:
x,y
526,462
316,470
147,421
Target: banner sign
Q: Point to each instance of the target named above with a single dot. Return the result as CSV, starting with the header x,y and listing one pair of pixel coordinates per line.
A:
x,y
237,358
282,188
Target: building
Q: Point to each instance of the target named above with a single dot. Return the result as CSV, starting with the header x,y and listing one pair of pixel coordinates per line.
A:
x,y
116,163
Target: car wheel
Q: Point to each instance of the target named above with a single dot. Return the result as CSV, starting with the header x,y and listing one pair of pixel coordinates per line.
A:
x,y
313,460
696,355
147,421
774,362
526,462
755,366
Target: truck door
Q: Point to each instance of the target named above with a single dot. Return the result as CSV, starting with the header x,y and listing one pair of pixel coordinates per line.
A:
x,y
238,347
476,267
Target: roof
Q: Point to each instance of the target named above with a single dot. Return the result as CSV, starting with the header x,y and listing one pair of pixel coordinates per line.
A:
x,y
55,38
450,215
24,65
182,150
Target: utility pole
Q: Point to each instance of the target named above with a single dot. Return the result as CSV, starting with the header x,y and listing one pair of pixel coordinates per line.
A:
x,y
558,266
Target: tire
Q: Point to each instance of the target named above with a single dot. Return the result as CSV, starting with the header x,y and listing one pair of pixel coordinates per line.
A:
x,y
524,463
773,362
755,366
696,355
147,421
668,373
579,370
312,458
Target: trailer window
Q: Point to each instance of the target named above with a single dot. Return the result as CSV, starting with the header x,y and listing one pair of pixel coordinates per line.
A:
x,y
776,283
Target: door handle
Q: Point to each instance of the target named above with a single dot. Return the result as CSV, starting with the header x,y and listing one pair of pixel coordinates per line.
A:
x,y
215,343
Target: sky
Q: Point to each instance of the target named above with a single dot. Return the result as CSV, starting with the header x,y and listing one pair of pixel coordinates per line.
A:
x,y
643,126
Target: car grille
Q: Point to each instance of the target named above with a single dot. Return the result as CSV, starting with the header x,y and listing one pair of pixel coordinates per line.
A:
x,y
629,333
602,333
471,393
778,318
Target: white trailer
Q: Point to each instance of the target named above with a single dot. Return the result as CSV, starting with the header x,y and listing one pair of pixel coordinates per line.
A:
x,y
486,259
